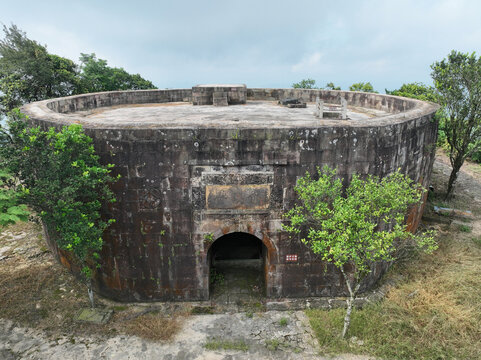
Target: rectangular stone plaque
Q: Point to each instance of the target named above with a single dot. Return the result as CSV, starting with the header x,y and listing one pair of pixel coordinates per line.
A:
x,y
237,197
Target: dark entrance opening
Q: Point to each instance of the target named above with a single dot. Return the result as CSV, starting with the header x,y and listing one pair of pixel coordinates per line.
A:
x,y
237,269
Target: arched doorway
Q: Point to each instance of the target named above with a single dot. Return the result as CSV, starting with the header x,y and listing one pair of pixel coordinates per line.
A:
x,y
237,268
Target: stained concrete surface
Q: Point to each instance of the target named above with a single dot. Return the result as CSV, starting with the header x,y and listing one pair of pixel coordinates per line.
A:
x,y
180,114
264,336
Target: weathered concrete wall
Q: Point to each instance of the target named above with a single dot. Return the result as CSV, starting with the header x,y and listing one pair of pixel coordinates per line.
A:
x,y
178,185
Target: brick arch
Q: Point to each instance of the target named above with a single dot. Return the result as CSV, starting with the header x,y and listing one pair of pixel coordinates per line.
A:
x,y
247,229
269,260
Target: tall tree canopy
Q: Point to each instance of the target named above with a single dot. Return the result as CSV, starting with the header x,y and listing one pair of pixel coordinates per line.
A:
x,y
97,76
29,73
458,83
416,90
362,86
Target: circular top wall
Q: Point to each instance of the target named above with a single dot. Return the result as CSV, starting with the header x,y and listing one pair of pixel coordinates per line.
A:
x,y
151,109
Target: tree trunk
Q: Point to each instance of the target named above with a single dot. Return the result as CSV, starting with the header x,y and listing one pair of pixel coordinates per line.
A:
x,y
347,318
454,175
91,293
350,301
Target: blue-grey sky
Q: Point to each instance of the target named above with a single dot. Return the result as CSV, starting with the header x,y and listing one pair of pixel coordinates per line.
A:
x,y
261,43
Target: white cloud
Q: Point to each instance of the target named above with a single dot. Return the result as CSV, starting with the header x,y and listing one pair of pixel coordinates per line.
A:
x,y
308,63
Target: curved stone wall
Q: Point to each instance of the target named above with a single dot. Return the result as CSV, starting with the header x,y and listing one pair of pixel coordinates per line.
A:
x,y
179,184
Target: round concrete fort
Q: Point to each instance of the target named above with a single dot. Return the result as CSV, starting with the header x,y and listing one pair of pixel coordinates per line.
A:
x,y
202,183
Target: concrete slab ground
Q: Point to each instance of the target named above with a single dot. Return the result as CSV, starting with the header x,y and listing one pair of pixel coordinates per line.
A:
x,y
271,335
182,114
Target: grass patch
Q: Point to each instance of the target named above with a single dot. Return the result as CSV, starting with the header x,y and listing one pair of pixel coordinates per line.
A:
x,y
283,321
202,310
217,344
477,241
434,314
120,308
464,228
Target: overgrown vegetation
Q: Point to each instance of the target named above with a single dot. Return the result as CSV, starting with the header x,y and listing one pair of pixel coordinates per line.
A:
x,y
95,75
457,81
154,326
434,313
28,72
311,84
219,344
305,84
357,229
11,208
59,176
362,86
424,92
416,90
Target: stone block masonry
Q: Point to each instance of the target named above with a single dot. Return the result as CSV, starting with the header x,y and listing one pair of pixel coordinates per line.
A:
x,y
219,95
191,174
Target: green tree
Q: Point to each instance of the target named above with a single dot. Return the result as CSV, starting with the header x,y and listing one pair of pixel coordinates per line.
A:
x,y
96,76
457,80
355,230
29,73
331,86
60,177
305,84
423,92
416,90
362,86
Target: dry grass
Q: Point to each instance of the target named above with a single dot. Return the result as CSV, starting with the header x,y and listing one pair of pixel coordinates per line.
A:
x,y
155,326
434,314
36,291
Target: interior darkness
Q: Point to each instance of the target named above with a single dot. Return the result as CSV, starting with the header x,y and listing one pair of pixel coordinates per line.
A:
x,y
236,246
236,273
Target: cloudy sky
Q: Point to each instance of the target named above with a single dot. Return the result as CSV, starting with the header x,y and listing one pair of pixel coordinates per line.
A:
x,y
261,43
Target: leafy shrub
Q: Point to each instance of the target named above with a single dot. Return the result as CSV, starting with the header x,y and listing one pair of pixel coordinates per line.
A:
x,y
60,177
11,209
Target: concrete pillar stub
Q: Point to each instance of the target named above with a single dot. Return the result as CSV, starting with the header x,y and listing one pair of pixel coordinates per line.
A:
x,y
219,94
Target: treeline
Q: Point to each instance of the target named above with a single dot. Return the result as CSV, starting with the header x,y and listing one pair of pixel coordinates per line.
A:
x,y
457,89
28,72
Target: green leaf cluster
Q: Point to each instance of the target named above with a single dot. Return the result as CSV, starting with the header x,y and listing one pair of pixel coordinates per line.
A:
x,y
457,80
97,76
61,178
28,72
305,84
11,208
358,226
423,92
311,84
416,90
362,86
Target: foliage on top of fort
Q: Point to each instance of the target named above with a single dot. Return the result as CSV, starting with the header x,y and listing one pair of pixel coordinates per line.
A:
x,y
28,72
